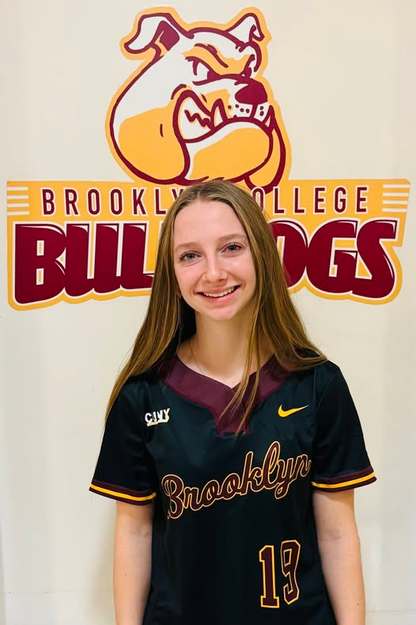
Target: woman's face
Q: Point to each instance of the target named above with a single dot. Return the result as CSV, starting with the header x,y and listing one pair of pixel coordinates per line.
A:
x,y
212,260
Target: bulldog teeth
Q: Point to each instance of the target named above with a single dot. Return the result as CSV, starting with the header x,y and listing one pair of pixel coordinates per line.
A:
x,y
268,120
194,122
262,112
218,115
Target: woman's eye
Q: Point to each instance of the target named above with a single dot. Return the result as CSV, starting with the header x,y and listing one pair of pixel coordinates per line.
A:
x,y
234,247
190,256
187,256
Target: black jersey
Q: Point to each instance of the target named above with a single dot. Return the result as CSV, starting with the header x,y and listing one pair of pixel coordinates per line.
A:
x,y
234,538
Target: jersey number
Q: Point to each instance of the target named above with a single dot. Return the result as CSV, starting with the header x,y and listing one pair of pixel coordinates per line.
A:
x,y
289,558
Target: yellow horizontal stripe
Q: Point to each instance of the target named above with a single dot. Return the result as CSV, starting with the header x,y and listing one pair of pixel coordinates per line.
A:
x,y
114,492
349,483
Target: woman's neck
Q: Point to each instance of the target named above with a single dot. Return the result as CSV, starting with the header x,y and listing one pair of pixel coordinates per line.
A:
x,y
219,349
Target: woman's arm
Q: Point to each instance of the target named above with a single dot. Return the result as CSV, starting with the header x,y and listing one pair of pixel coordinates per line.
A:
x,y
339,546
132,562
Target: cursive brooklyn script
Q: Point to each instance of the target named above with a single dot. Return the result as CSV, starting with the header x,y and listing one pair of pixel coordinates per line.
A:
x,y
275,474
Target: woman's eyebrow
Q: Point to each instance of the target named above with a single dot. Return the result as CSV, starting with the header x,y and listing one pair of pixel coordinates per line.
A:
x,y
225,237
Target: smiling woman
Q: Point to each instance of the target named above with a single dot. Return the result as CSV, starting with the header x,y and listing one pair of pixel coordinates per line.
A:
x,y
194,262
231,443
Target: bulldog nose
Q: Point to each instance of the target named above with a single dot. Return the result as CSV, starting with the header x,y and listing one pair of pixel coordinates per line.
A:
x,y
251,93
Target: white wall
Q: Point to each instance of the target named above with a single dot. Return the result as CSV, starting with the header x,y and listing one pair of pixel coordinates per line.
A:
x,y
344,77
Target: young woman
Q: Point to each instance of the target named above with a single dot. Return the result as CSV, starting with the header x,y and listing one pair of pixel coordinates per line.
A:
x,y
232,445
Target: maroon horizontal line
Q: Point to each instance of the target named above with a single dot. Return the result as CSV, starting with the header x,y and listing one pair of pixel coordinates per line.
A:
x,y
349,487
132,502
122,489
343,477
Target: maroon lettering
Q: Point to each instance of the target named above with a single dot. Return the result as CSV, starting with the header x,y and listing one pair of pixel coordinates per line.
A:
x,y
318,199
375,258
289,557
284,478
230,486
321,257
183,497
340,199
71,198
270,463
302,465
48,201
190,498
277,210
258,196
29,264
173,487
104,257
296,203
76,260
176,193
39,274
116,202
295,248
93,202
360,199
105,266
137,201
158,209
210,493
251,477
132,263
269,598
255,479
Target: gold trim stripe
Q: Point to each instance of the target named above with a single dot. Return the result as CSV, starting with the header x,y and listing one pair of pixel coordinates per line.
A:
x,y
359,480
114,492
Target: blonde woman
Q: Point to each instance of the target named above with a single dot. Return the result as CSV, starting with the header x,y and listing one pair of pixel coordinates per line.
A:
x,y
232,445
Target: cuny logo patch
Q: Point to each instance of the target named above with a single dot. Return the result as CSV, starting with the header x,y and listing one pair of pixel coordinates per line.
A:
x,y
198,106
199,99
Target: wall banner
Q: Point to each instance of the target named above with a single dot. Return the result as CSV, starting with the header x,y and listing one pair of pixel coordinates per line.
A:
x,y
198,106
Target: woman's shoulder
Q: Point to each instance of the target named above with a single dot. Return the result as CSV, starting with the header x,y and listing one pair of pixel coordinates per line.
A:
x,y
321,373
327,370
327,376
139,383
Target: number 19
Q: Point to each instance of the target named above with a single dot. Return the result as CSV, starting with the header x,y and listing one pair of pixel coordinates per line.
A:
x,y
289,558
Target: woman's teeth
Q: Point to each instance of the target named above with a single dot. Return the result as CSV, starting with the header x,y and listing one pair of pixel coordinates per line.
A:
x,y
233,288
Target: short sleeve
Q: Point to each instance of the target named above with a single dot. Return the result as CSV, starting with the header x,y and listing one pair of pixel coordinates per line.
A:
x,y
124,469
340,460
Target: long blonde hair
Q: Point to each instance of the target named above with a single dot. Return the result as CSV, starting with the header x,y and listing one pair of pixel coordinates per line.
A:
x,y
169,320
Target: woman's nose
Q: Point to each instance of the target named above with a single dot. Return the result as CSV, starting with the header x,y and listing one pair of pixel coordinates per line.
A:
x,y
214,270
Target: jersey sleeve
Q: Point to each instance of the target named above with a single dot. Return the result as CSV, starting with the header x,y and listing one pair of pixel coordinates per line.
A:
x,y
124,469
340,460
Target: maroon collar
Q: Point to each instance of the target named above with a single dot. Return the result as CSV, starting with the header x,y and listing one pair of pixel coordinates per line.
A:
x,y
214,395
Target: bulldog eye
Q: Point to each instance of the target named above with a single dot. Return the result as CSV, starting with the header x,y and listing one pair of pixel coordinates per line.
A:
x,y
248,71
251,66
201,71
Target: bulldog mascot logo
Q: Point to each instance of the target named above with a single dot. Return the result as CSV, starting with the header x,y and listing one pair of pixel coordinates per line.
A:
x,y
198,107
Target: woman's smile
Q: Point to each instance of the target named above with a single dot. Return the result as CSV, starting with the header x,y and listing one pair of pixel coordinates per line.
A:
x,y
224,295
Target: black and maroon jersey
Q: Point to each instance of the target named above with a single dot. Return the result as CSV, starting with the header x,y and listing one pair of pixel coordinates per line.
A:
x,y
234,539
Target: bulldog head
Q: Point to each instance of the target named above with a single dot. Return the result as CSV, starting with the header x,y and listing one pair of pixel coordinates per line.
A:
x,y
198,107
